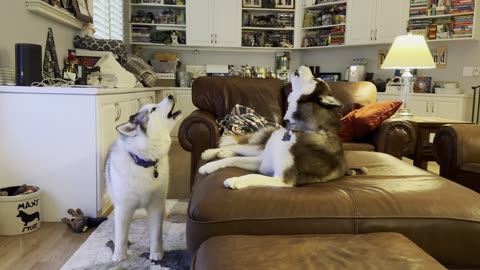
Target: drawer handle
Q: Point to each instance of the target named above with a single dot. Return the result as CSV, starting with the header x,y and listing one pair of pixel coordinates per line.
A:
x,y
375,35
426,106
371,34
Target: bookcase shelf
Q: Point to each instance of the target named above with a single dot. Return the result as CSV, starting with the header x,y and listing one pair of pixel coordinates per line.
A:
x,y
438,22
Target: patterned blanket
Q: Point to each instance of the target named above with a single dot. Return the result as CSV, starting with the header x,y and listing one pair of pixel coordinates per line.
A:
x,y
242,120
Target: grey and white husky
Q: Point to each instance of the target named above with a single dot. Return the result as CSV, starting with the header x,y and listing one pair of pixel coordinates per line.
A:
x,y
137,172
307,150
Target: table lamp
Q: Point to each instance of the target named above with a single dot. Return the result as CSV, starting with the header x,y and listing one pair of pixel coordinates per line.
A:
x,y
408,52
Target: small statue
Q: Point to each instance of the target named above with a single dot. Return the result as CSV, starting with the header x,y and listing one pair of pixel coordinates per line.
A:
x,y
174,38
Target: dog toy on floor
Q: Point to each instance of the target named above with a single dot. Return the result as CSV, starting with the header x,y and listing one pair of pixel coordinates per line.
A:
x,y
81,223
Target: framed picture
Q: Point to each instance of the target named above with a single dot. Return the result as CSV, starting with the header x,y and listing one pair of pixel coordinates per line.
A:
x,y
330,76
284,3
422,85
81,11
252,3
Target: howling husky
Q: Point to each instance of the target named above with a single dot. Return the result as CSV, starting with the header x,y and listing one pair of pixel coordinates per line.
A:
x,y
136,172
307,150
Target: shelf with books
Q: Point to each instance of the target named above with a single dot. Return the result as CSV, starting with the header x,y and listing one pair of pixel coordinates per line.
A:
x,y
443,20
157,22
267,27
327,3
324,24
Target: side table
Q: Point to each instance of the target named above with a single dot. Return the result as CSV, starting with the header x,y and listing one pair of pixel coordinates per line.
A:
x,y
426,128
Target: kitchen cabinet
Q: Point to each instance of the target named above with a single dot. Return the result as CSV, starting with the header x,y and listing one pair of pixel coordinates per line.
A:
x,y
214,23
375,21
455,107
58,139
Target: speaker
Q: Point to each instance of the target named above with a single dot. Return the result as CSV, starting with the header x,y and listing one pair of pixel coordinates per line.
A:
x,y
28,63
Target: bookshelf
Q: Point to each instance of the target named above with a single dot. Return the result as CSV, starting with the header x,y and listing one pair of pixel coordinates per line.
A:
x,y
268,27
153,22
323,24
443,20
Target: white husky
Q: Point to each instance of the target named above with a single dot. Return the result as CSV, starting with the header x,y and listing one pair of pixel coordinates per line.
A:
x,y
136,172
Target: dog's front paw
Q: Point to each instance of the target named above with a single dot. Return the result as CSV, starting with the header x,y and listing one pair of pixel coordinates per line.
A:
x,y
208,168
226,153
210,154
156,256
234,183
118,256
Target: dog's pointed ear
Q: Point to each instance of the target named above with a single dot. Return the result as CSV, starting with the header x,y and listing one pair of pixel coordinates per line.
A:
x,y
329,101
128,129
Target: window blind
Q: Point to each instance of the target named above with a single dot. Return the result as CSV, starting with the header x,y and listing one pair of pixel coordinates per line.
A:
x,y
108,19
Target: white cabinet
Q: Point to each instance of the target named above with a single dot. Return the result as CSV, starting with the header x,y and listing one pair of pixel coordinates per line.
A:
x,y
214,23
114,110
375,21
58,140
183,99
456,107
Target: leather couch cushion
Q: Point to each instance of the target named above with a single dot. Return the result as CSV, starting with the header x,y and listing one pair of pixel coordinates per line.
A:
x,y
360,122
440,216
219,95
368,251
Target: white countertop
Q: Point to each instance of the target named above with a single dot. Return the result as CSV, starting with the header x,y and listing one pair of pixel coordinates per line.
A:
x,y
82,90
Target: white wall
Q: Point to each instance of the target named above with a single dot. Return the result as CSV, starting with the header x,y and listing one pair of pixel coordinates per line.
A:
x,y
461,54
18,25
201,56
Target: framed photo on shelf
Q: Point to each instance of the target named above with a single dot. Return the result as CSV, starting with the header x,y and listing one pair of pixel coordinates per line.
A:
x,y
252,3
330,76
81,11
422,85
284,3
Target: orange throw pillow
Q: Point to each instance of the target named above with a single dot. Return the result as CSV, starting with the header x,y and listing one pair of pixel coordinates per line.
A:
x,y
359,123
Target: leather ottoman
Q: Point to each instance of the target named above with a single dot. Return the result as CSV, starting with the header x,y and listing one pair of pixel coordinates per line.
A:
x,y
440,216
366,251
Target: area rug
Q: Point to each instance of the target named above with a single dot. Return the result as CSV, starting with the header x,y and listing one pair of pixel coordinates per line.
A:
x,y
94,254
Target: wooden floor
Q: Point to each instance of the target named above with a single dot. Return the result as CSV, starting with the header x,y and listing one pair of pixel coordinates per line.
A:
x,y
48,248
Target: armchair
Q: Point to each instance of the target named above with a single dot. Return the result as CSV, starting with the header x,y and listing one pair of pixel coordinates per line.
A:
x,y
456,148
216,96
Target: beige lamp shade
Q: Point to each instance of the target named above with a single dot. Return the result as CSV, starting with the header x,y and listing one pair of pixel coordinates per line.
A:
x,y
408,51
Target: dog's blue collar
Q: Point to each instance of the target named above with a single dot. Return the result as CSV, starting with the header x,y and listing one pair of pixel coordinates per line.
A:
x,y
146,163
291,127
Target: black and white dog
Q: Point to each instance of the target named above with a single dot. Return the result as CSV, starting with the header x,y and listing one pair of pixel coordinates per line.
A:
x,y
307,150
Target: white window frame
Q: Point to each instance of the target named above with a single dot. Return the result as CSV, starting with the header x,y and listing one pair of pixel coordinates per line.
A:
x,y
108,19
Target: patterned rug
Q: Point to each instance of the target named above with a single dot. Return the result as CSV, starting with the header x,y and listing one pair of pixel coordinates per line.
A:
x,y
94,254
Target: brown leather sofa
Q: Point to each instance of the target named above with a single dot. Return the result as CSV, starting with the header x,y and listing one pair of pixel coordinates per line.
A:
x,y
216,96
456,148
440,216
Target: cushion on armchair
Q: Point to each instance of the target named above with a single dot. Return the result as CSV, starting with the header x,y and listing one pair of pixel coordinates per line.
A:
x,y
360,122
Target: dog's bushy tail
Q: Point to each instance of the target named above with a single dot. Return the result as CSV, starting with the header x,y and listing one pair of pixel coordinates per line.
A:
x,y
356,171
